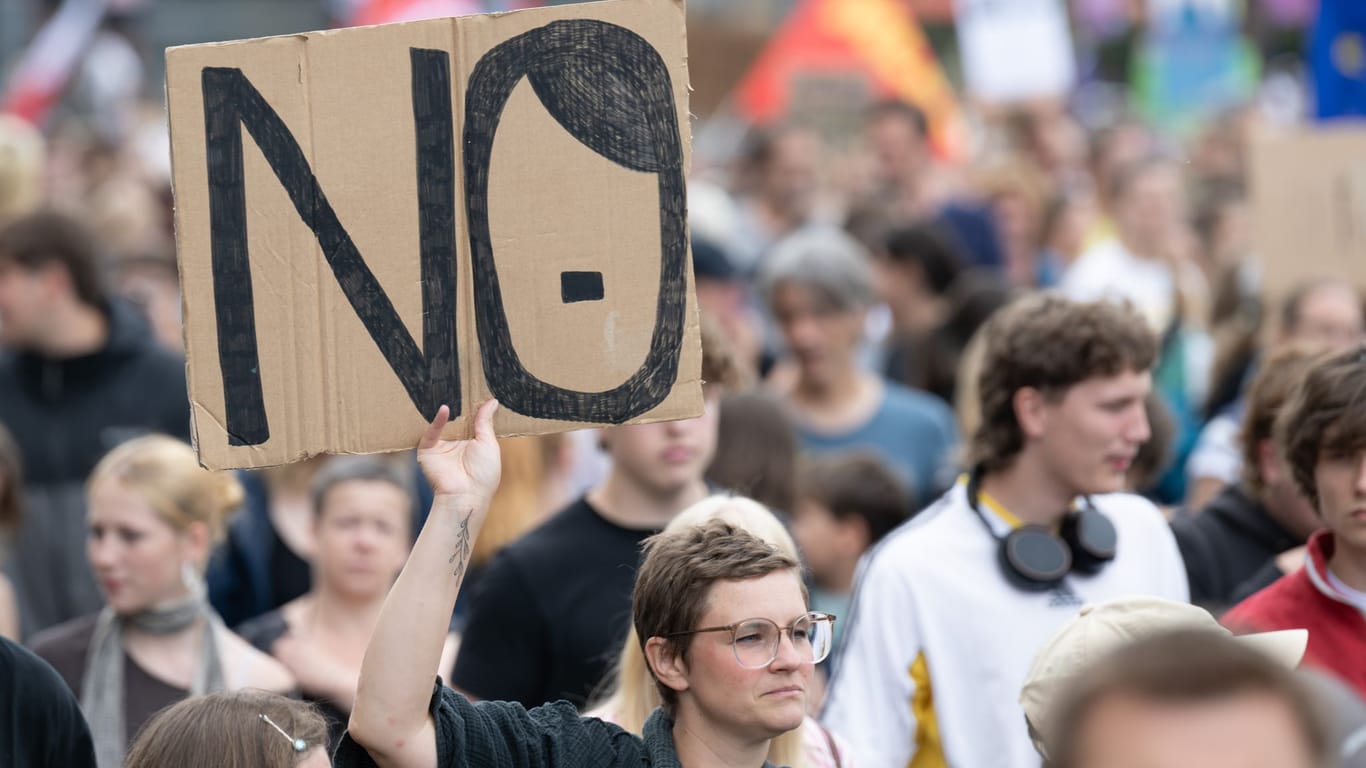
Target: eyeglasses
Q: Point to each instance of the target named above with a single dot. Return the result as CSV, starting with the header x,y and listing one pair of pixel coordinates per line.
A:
x,y
756,641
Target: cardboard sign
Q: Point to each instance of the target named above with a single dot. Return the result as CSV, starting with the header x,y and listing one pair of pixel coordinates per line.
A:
x,y
374,222
1309,207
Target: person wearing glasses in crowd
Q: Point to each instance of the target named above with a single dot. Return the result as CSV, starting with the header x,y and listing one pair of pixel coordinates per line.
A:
x,y
633,695
951,607
723,622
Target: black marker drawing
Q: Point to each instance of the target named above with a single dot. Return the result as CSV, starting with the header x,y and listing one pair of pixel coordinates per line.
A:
x,y
431,374
611,90
580,286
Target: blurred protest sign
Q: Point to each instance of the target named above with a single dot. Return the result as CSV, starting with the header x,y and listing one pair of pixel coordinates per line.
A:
x,y
374,222
1309,207
1193,62
847,53
1015,50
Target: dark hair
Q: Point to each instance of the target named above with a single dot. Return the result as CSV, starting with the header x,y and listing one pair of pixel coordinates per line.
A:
x,y
1280,375
1325,416
1049,343
1183,667
676,576
900,109
11,482
48,237
1155,454
857,485
225,730
926,246
343,469
756,450
974,297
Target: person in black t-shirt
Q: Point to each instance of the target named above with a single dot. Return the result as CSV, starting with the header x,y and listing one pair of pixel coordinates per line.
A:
x,y
40,722
550,612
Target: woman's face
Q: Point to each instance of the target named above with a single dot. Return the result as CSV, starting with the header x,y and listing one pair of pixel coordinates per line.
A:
x,y
136,555
763,702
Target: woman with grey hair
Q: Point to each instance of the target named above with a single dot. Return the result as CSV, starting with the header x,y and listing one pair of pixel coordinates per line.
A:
x,y
819,286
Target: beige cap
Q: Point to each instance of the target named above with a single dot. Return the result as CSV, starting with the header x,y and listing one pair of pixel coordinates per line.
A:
x,y
1104,627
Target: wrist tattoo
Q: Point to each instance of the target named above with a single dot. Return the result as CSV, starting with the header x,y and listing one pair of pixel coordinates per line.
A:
x,y
462,546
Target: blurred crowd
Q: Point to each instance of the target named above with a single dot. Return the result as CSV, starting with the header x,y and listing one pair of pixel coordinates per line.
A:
x,y
851,291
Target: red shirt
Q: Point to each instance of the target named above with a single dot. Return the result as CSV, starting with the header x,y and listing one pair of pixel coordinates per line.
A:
x,y
1305,599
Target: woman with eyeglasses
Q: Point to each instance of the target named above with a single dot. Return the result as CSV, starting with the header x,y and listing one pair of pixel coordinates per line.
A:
x,y
633,696
724,622
154,513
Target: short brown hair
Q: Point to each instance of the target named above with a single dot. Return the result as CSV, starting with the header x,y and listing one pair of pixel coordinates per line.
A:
x,y
47,237
857,485
1049,343
1279,376
1325,416
226,730
675,579
1181,667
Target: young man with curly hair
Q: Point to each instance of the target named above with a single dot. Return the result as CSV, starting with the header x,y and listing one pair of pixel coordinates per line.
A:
x,y
951,608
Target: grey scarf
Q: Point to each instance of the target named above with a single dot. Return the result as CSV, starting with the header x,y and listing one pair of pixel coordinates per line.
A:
x,y
102,685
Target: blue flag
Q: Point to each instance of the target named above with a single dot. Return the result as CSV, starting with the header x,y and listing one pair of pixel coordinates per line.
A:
x,y
1339,59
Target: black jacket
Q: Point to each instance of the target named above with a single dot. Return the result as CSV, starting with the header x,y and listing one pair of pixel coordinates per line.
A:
x,y
67,413
1230,549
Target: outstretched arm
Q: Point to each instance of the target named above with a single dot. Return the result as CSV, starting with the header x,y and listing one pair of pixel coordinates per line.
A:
x,y
390,717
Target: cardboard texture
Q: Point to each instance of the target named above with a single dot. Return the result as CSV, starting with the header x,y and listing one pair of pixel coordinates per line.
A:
x,y
375,221
1309,207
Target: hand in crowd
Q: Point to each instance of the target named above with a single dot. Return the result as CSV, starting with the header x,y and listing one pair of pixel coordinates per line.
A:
x,y
316,674
469,468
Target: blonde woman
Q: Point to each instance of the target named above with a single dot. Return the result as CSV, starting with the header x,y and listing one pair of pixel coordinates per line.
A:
x,y
633,694
153,516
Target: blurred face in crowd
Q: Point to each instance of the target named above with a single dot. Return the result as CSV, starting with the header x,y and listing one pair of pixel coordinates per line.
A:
x,y
752,703
898,148
790,177
821,335
1282,496
1329,315
1151,209
664,458
1341,485
1246,730
827,543
362,537
1089,434
26,296
136,555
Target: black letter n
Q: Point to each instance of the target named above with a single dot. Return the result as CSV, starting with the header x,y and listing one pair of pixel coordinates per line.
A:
x,y
431,374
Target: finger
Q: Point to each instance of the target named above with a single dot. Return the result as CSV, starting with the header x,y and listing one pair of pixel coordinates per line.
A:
x,y
483,421
433,434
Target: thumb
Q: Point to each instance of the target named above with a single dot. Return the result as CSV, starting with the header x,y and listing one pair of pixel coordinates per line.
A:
x,y
483,422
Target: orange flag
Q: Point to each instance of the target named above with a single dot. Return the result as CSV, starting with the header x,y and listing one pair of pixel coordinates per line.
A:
x,y
878,40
